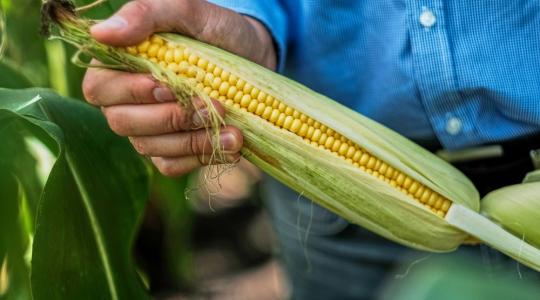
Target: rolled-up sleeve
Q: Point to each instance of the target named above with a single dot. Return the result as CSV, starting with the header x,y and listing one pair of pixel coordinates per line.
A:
x,y
270,13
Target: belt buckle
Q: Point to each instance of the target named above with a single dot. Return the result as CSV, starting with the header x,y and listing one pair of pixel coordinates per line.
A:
x,y
474,153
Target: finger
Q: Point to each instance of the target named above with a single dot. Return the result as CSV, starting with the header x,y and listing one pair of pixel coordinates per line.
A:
x,y
155,119
182,165
105,87
188,143
204,21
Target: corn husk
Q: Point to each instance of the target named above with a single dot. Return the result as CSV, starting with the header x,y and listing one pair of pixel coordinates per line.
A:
x,y
516,208
315,173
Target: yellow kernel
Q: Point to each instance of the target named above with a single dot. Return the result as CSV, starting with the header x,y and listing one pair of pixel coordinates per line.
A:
x,y
344,150
222,98
216,83
207,90
269,100
183,67
336,145
295,126
439,203
432,199
310,131
350,152
238,96
446,205
413,188
210,68
261,97
382,168
317,125
357,154
316,135
246,99
322,139
233,79
225,75
240,84
425,196
288,122
161,53
364,159
202,63
252,105
157,40
419,192
236,105
254,93
169,56
217,71
193,59
260,109
407,183
281,119
247,88
200,86
199,76
144,55
173,67
214,94
400,179
153,50
329,142
178,55
330,131
223,88
192,72
371,162
377,164
303,118
208,79
274,116
229,102
281,107
267,112
143,47
231,92
296,114
289,111
303,130
310,121
276,104
440,213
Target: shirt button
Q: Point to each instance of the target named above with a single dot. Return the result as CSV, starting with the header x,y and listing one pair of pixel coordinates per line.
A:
x,y
453,126
427,18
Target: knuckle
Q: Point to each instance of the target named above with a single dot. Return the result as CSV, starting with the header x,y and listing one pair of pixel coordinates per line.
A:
x,y
115,120
139,145
176,120
142,6
89,88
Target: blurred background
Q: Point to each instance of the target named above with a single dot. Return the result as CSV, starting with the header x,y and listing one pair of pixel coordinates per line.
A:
x,y
204,238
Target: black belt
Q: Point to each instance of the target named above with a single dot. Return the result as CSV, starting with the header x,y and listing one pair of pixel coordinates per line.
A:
x,y
492,166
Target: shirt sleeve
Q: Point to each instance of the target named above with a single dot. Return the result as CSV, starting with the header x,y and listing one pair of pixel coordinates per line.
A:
x,y
271,14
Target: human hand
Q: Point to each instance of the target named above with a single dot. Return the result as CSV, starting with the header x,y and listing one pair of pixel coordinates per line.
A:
x,y
137,106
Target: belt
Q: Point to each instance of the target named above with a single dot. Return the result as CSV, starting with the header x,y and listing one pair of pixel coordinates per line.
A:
x,y
494,165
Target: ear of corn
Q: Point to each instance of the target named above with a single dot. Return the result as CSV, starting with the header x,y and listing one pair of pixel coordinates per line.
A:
x,y
355,167
516,208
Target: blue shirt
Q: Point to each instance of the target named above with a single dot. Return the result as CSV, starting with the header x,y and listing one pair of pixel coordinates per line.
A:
x,y
464,71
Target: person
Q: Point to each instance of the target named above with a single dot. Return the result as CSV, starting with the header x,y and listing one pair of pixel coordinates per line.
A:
x,y
447,74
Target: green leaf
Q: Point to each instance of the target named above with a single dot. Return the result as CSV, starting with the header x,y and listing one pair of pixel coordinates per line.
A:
x,y
12,79
91,204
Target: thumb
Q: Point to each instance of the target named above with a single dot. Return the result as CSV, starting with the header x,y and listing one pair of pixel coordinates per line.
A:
x,y
129,26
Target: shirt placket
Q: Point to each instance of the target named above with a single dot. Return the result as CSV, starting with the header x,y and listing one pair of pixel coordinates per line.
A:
x,y
434,73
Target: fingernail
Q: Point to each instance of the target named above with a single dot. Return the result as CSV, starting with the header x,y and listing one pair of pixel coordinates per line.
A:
x,y
163,94
228,140
113,23
200,117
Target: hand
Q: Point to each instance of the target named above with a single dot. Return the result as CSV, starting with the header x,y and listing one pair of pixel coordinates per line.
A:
x,y
136,106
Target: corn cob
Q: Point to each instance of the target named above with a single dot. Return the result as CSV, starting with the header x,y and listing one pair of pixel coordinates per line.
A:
x,y
355,167
516,208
